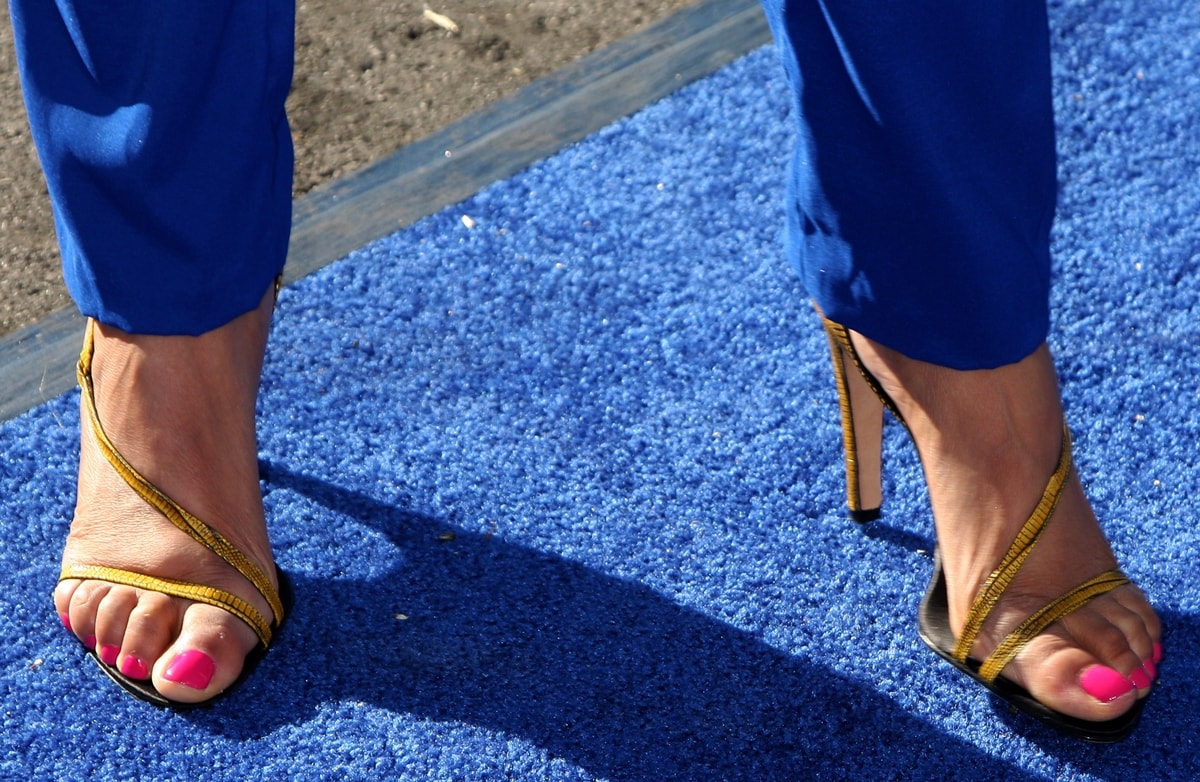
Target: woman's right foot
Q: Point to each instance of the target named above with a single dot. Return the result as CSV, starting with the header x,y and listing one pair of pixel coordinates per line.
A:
x,y
181,410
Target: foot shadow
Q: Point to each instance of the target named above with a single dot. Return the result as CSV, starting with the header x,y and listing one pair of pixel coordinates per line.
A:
x,y
899,538
602,672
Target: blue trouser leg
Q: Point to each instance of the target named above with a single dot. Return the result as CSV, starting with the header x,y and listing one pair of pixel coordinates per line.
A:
x,y
923,183
162,134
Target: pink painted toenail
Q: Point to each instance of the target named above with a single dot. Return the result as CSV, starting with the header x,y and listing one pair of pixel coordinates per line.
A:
x,y
1158,653
66,622
1140,679
1150,668
134,668
1104,684
108,654
192,668
90,642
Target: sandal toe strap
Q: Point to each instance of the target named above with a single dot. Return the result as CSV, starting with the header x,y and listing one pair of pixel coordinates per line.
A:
x,y
198,592
1012,645
1003,576
1028,537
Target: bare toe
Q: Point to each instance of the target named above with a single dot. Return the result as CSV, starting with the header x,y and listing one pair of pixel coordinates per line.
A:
x,y
206,658
148,632
112,617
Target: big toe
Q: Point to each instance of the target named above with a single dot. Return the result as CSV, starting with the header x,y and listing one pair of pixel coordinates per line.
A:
x,y
1077,684
206,658
1096,664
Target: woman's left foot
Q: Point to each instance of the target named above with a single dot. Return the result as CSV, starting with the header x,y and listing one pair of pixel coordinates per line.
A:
x,y
989,440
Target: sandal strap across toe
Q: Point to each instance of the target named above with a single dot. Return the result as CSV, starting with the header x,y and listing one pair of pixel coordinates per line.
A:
x,y
1032,627
933,622
184,589
194,527
1002,577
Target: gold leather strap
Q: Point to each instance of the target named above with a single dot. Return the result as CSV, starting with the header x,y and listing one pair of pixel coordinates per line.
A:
x,y
1032,627
187,590
1003,575
195,528
1000,579
849,434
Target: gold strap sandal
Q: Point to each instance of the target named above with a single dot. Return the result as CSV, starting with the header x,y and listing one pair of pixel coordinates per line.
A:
x,y
862,402
279,601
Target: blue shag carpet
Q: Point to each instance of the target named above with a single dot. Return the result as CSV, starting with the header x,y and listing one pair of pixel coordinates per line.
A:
x,y
560,486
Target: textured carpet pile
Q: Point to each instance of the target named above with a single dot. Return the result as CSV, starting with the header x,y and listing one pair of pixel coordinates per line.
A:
x,y
557,476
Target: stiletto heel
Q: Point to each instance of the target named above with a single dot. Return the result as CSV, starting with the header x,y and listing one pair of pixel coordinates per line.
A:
x,y
862,401
862,437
